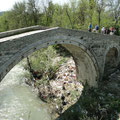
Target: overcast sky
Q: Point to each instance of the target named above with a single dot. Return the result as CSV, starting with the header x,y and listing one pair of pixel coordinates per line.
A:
x,y
7,4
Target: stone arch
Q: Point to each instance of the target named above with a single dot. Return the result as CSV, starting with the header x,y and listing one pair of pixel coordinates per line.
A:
x,y
87,68
111,61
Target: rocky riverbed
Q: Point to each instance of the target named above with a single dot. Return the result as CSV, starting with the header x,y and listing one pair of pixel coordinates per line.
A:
x,y
52,73
63,91
102,103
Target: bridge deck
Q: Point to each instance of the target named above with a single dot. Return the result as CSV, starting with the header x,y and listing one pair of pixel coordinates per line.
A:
x,y
6,54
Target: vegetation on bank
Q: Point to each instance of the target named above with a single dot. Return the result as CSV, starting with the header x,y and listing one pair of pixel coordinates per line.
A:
x,y
94,104
76,14
44,63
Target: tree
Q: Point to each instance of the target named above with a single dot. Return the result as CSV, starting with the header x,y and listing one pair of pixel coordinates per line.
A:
x,y
100,6
114,8
91,9
82,11
58,16
4,23
48,11
33,11
70,17
17,17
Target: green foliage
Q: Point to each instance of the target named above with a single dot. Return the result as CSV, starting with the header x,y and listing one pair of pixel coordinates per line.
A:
x,y
94,104
4,23
74,15
44,64
42,58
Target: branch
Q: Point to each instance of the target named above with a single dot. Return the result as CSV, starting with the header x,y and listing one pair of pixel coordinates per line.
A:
x,y
69,18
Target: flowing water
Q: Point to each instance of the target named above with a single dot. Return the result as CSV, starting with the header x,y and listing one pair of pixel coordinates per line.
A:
x,y
17,101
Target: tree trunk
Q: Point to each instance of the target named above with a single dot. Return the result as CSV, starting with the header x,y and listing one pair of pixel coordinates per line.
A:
x,y
69,19
99,21
30,69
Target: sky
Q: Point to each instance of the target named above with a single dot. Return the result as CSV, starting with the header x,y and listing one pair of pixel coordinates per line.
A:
x,y
8,4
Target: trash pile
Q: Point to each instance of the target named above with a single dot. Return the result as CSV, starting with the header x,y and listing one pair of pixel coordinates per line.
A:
x,y
64,91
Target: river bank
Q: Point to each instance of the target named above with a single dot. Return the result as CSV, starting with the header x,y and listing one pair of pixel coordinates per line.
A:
x,y
18,101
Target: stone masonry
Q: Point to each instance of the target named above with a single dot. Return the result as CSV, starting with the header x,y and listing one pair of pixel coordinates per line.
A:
x,y
94,54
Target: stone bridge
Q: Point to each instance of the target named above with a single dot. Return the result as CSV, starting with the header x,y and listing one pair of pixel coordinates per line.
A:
x,y
95,55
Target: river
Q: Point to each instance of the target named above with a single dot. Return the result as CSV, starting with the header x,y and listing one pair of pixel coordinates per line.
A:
x,y
18,101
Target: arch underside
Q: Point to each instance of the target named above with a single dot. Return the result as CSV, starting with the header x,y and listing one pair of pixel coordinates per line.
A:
x,y
111,61
87,69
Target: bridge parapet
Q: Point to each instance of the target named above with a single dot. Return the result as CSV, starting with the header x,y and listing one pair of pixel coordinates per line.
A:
x,y
21,30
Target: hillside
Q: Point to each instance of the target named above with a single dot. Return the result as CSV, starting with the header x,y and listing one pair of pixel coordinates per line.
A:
x,y
1,13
